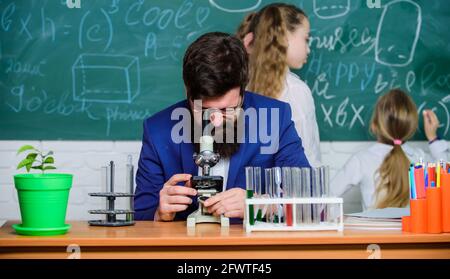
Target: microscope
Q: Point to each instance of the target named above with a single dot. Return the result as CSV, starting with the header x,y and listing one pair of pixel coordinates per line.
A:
x,y
206,185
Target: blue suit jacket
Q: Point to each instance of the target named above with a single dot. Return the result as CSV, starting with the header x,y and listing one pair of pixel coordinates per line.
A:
x,y
161,158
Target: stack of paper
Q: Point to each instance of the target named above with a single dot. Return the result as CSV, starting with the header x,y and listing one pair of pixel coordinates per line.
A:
x,y
376,219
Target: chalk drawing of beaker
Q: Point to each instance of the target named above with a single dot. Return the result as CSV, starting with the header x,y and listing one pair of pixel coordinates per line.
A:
x,y
328,9
398,32
225,6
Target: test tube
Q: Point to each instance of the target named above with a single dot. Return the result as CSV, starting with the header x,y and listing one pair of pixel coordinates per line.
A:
x,y
316,194
327,180
130,186
249,187
306,192
287,193
268,177
297,192
104,180
325,185
257,191
277,192
111,216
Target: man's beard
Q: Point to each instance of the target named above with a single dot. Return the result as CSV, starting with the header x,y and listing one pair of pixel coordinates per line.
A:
x,y
225,137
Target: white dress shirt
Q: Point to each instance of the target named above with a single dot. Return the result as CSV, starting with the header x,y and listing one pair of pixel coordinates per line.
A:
x,y
361,169
298,95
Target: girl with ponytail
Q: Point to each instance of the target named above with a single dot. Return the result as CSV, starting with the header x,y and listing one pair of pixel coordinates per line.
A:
x,y
381,171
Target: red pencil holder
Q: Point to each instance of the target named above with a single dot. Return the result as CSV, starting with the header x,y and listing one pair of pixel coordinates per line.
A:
x,y
419,223
406,223
445,193
430,214
434,210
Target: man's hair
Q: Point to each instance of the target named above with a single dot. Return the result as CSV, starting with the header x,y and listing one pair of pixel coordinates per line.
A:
x,y
214,64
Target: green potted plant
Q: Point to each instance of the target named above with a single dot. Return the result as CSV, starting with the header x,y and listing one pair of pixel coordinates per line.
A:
x,y
42,196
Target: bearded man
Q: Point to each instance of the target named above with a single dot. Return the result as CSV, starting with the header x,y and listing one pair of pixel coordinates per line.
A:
x,y
248,129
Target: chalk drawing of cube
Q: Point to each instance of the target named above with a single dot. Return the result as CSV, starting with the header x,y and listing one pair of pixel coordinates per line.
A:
x,y
104,78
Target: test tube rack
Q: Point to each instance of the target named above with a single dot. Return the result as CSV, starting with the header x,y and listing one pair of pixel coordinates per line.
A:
x,y
337,225
111,212
294,199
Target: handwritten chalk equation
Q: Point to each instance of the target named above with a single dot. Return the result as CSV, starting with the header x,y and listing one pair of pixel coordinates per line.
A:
x,y
186,16
18,23
441,109
95,31
339,73
189,19
356,39
346,114
19,67
22,98
116,114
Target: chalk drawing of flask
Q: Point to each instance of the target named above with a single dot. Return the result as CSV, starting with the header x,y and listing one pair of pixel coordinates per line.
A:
x,y
328,9
398,32
236,7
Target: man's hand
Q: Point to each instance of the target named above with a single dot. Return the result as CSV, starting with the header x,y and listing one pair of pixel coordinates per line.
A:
x,y
230,203
430,124
174,198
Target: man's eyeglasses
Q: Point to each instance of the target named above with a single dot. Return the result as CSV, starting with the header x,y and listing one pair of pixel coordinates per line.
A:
x,y
228,112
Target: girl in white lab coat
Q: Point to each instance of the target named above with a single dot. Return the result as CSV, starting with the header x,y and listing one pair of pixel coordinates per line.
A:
x,y
381,171
276,39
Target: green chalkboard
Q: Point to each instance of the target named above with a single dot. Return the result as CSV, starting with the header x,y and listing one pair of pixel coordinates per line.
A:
x,y
97,71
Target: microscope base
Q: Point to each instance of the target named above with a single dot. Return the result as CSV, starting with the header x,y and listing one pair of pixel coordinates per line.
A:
x,y
197,218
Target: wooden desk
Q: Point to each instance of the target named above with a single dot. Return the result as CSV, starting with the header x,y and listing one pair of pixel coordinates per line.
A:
x,y
173,240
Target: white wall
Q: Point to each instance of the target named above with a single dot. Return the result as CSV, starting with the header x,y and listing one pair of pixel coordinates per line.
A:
x,y
83,159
